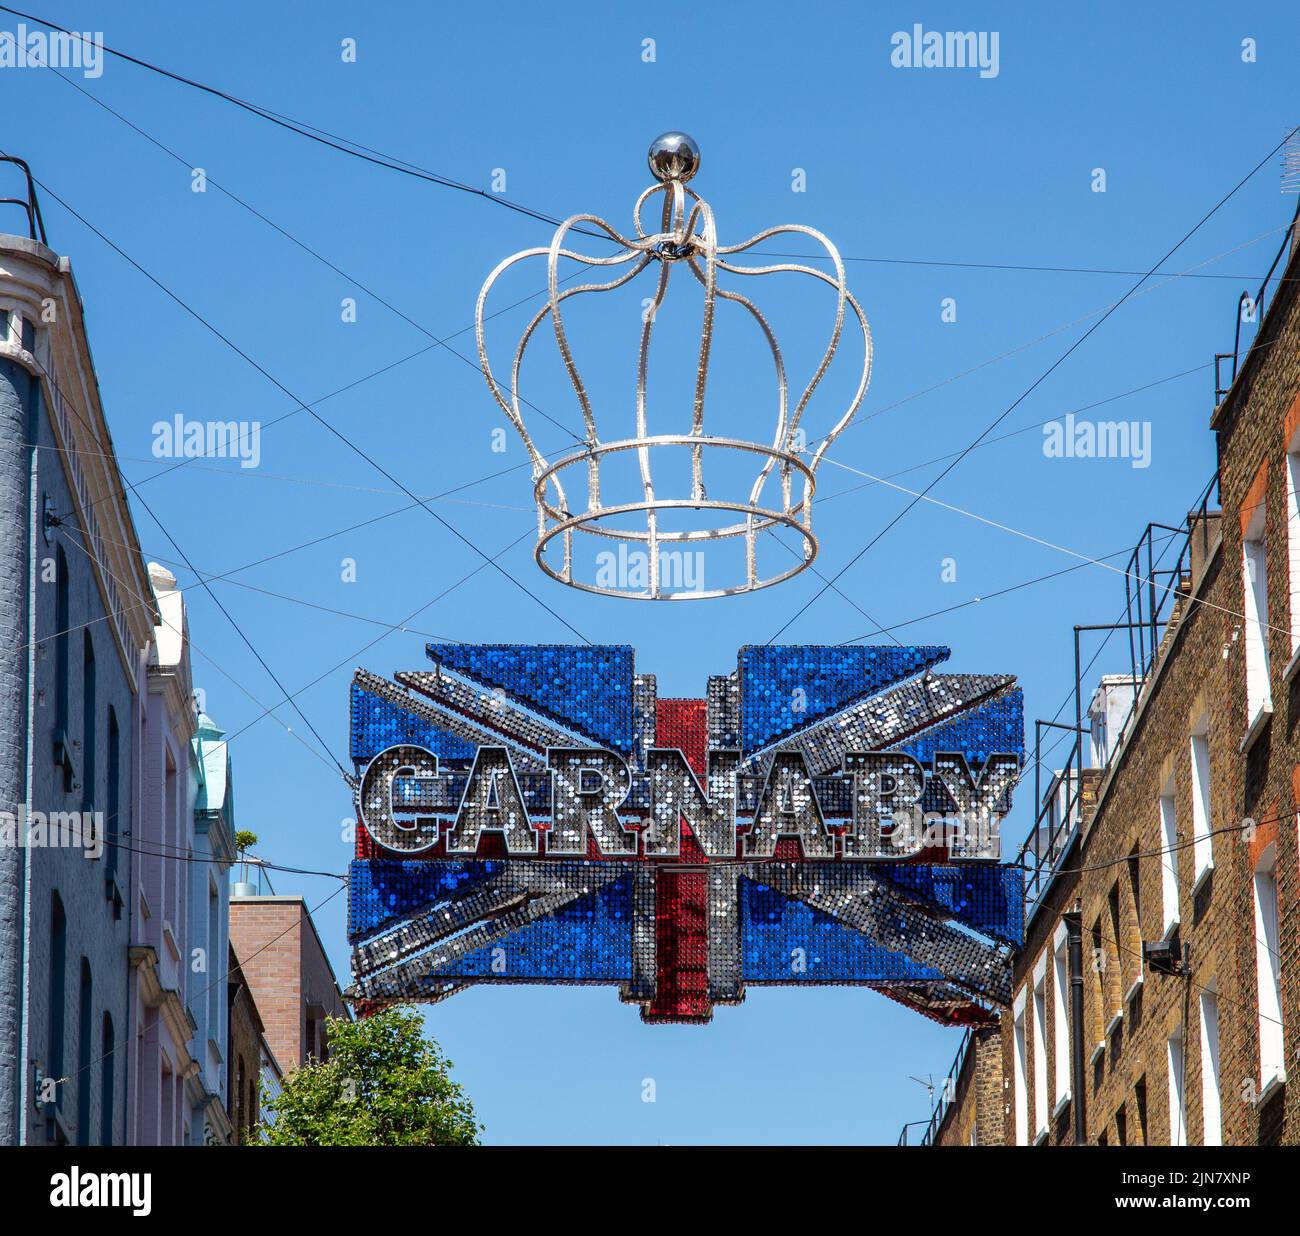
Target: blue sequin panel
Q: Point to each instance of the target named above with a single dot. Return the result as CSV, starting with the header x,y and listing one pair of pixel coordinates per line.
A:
x,y
786,941
831,678
383,892
589,939
377,723
986,898
588,689
996,727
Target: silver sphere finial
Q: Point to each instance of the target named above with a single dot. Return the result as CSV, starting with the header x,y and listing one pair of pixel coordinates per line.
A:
x,y
674,156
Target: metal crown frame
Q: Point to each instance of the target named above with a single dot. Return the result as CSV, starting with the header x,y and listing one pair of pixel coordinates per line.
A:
x,y
687,235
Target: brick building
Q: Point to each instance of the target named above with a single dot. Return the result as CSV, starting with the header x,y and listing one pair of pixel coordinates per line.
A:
x,y
250,1059
1155,999
288,973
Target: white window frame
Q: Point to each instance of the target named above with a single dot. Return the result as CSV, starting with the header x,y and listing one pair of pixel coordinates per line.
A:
x,y
1268,973
1020,1096
1211,1094
1254,576
1177,1090
1293,549
1061,1003
1039,1004
1169,890
1202,816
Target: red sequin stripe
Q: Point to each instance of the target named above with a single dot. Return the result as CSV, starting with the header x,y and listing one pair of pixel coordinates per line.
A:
x,y
681,897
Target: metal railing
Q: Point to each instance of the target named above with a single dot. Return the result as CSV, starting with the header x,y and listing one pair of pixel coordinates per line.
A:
x,y
947,1096
1257,306
1150,591
31,207
250,878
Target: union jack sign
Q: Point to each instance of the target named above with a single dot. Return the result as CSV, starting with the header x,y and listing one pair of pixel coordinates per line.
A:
x,y
824,815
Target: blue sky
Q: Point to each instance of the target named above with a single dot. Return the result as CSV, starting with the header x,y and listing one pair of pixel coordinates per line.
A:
x,y
923,167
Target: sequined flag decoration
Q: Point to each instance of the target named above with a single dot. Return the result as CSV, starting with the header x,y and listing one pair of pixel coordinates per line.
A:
x,y
536,814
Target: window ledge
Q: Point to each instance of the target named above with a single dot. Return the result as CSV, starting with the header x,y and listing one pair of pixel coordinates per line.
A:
x,y
63,754
1040,1137
1171,926
1113,1024
1292,665
1134,988
1097,1051
1256,728
113,892
169,936
1061,1104
1271,1087
1202,876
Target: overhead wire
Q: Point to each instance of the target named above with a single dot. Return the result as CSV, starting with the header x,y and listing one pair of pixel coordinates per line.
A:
x,y
363,454
988,429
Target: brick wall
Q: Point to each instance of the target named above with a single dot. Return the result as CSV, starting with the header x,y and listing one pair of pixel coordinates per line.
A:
x,y
266,935
244,1057
1113,877
287,971
975,1115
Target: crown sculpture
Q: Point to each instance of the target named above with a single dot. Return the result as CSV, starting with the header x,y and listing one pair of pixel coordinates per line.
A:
x,y
726,491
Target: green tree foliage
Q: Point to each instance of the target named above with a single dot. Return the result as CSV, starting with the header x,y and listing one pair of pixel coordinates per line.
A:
x,y
384,1084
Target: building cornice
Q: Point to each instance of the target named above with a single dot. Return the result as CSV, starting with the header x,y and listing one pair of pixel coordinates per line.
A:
x,y
175,686
30,276
167,1000
220,838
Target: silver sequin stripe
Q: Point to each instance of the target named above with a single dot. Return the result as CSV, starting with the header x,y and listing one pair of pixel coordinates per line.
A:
x,y
864,903
645,698
528,757
494,709
885,720
723,709
448,931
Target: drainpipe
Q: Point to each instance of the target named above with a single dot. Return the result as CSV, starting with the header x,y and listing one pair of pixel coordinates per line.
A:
x,y
1074,929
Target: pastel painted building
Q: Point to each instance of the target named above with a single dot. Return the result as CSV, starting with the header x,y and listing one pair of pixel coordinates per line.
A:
x,y
162,1076
209,933
116,801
